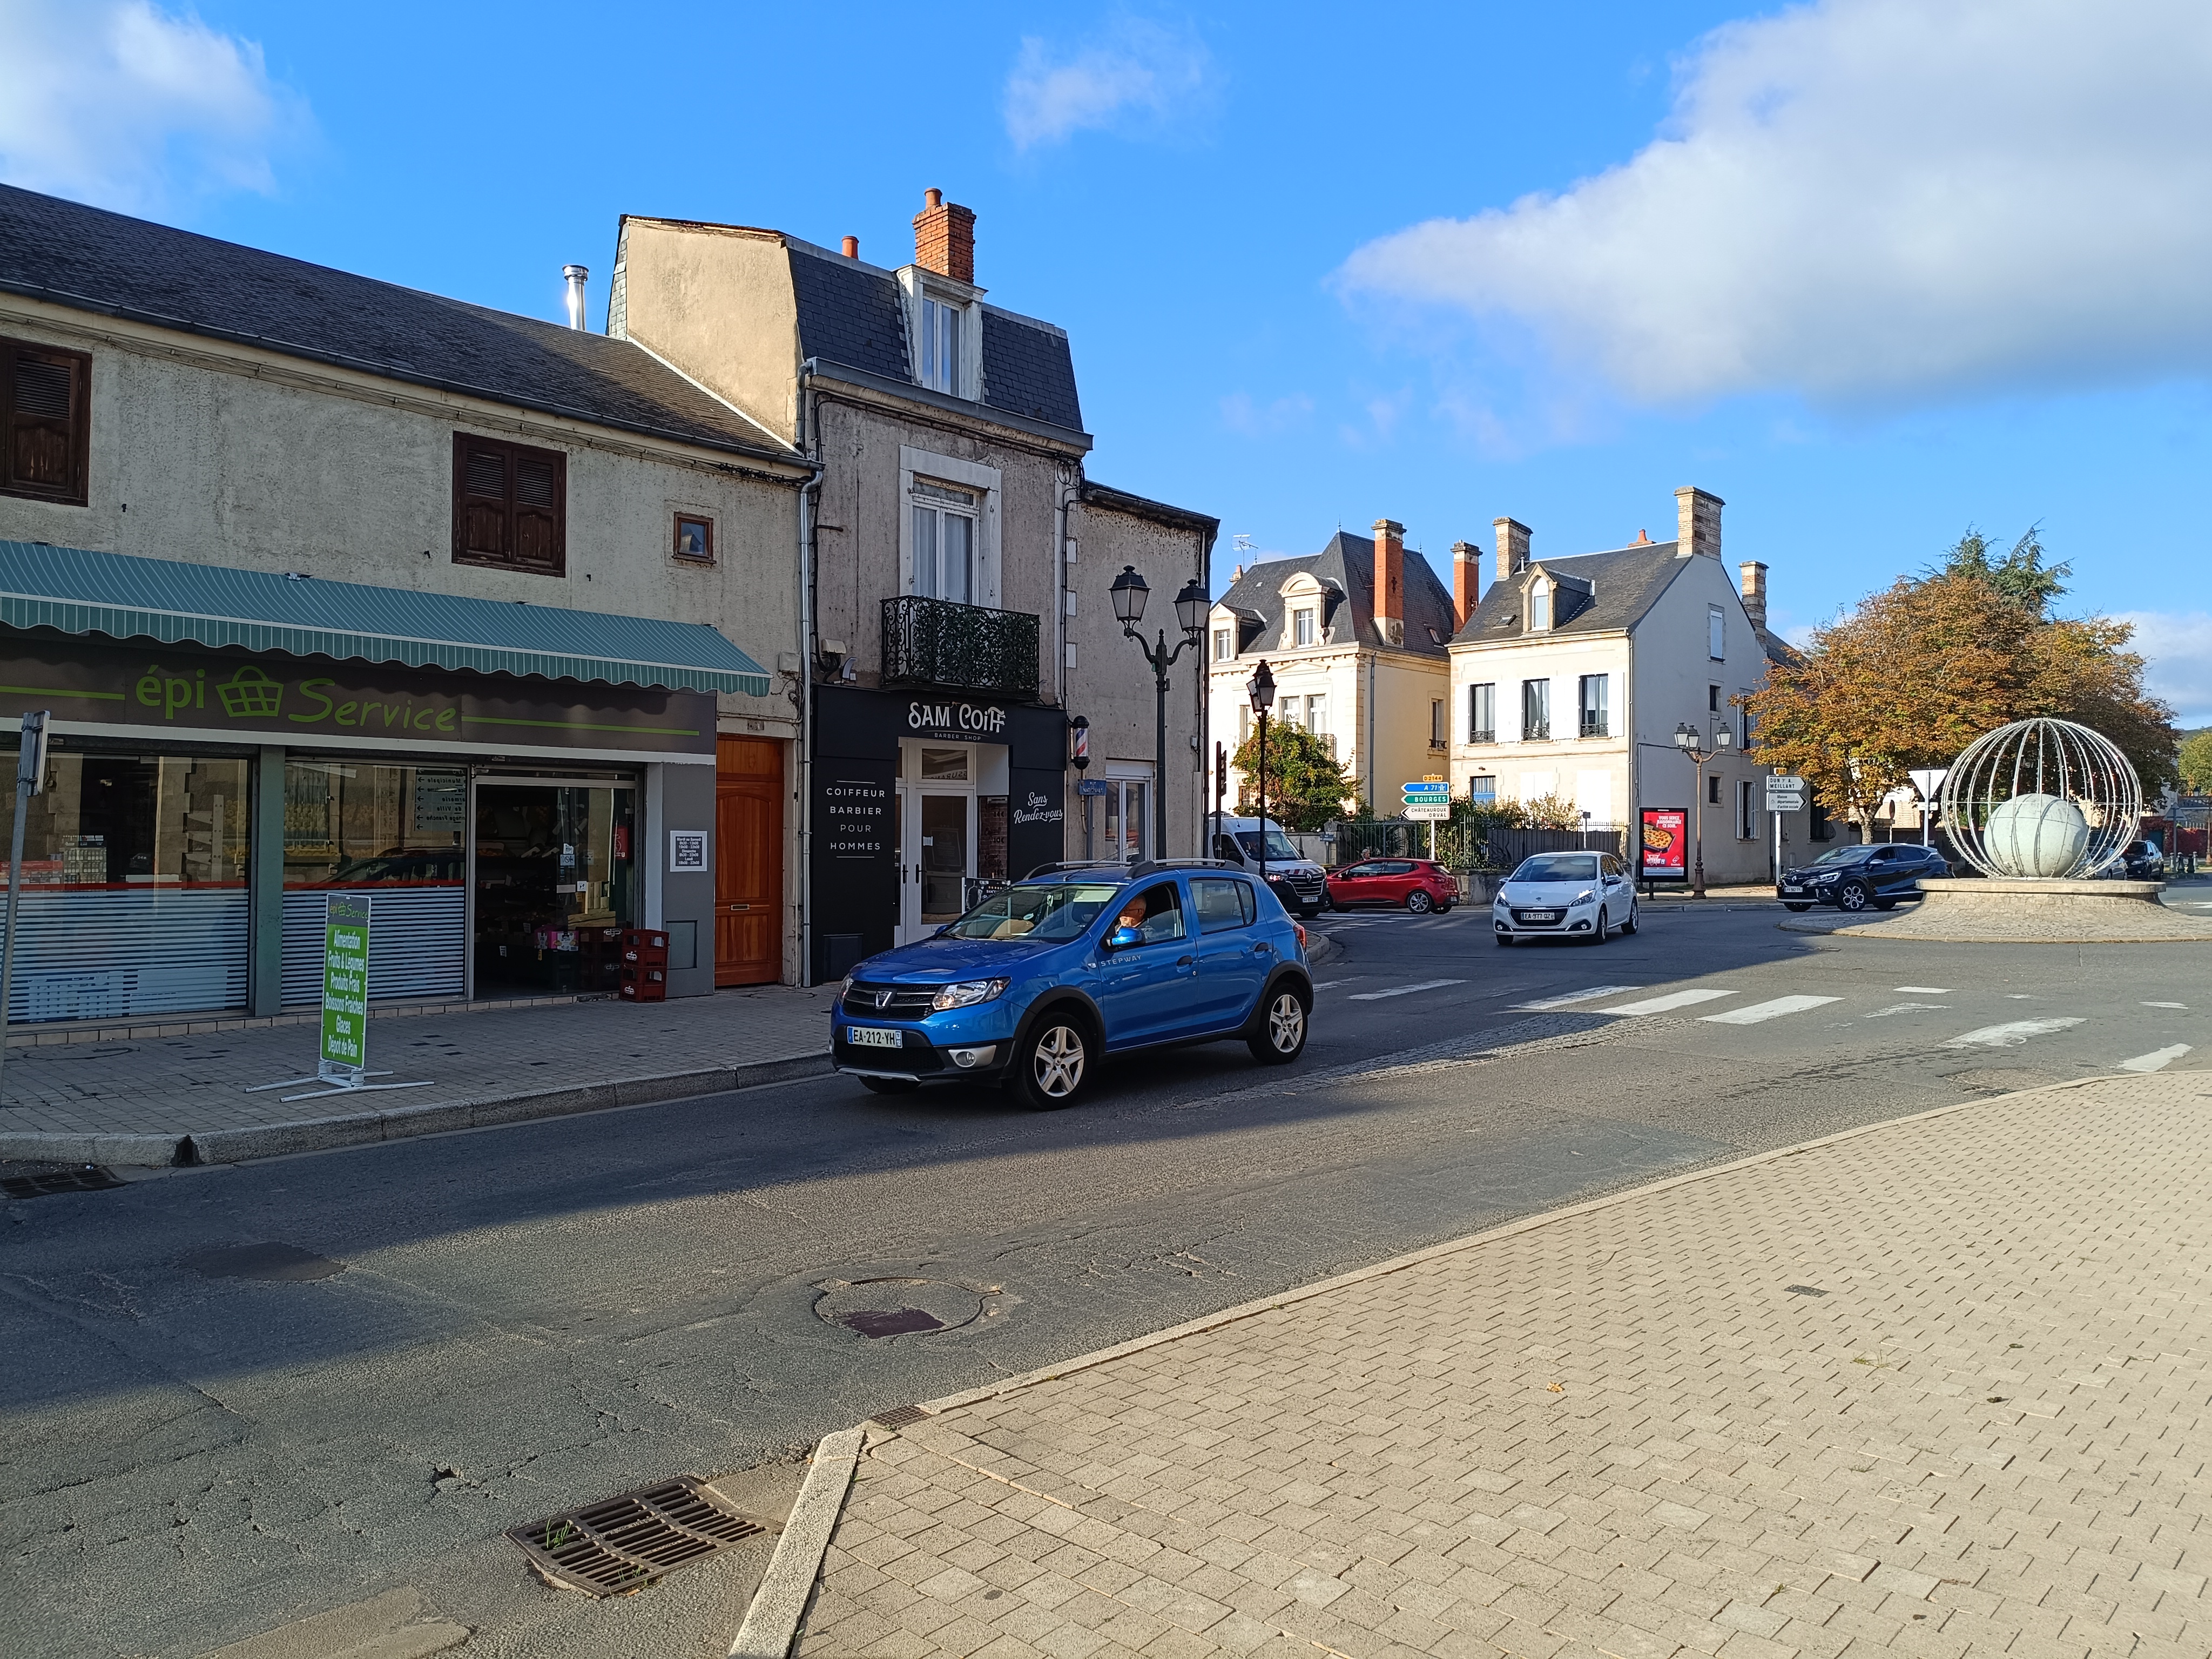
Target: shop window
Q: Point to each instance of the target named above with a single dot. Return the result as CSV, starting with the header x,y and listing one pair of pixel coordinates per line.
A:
x,y
134,886
695,538
45,422
510,505
357,824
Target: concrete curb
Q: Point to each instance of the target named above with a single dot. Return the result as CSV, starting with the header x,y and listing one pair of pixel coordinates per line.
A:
x,y
399,1122
778,1605
1852,931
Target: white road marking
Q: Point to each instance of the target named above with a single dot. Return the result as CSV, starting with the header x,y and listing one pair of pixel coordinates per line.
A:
x,y
1331,984
1403,990
1774,1009
2018,996
2157,1061
2166,1004
1925,990
2010,1035
1659,1004
1906,1008
1547,1003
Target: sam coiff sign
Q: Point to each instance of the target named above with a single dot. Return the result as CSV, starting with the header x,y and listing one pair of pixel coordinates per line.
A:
x,y
302,698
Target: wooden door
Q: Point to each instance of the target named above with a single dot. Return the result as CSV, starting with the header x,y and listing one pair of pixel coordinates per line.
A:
x,y
747,861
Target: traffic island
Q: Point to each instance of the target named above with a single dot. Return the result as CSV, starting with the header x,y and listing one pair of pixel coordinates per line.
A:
x,y
1998,910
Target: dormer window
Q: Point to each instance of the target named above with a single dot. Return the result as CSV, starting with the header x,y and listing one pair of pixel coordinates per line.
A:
x,y
1302,626
939,356
1540,607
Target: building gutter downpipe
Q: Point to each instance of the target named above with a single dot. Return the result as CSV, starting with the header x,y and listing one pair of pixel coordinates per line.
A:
x,y
810,447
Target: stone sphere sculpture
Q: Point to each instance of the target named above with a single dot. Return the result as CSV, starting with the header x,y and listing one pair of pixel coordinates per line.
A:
x,y
2041,800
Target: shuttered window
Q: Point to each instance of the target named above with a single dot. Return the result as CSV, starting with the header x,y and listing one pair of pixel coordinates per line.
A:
x,y
510,505
45,415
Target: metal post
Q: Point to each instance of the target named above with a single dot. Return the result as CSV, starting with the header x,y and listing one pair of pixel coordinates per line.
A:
x,y
1263,799
1698,819
1160,661
30,767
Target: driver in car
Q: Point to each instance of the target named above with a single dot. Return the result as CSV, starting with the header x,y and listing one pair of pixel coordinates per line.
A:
x,y
1132,913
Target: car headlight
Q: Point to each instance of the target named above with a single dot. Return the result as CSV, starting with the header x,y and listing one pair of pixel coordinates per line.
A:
x,y
846,989
968,992
1585,896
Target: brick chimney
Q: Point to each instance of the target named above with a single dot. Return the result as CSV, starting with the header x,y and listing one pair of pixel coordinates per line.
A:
x,y
944,238
1466,581
1390,580
1754,591
1698,522
1512,548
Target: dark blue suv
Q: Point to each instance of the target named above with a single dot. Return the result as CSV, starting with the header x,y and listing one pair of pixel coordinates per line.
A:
x,y
1037,982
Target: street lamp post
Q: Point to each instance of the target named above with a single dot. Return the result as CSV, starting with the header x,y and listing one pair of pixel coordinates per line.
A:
x,y
1692,743
1262,689
1129,591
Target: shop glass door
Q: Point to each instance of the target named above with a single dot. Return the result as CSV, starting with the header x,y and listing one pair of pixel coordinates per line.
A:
x,y
555,883
945,858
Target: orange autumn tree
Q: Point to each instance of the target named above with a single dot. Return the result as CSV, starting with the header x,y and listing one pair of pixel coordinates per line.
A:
x,y
1920,669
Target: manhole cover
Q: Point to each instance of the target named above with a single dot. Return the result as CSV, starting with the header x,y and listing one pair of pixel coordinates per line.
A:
x,y
900,1307
620,1545
279,1261
85,1178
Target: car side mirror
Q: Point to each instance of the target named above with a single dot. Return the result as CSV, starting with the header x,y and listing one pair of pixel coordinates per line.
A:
x,y
1122,937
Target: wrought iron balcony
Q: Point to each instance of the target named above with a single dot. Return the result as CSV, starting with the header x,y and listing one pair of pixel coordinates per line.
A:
x,y
966,647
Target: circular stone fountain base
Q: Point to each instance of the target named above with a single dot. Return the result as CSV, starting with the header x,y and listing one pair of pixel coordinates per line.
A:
x,y
2000,911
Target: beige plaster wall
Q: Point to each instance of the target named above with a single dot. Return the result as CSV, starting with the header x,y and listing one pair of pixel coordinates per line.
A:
x,y
1112,685
718,301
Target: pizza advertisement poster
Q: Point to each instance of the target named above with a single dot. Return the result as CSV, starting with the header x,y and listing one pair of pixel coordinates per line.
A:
x,y
1662,850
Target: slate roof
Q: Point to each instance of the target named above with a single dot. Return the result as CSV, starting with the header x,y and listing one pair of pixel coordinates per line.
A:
x,y
88,259
1347,564
852,312
1622,586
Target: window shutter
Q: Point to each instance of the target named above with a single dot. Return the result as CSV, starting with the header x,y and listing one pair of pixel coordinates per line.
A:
x,y
45,394
537,509
510,505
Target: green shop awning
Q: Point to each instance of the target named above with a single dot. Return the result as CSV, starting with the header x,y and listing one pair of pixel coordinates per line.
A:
x,y
80,591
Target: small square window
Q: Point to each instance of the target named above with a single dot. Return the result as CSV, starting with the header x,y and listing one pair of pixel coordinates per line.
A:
x,y
1713,790
695,538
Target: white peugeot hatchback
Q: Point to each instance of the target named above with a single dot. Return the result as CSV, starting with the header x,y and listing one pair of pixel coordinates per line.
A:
x,y
1585,897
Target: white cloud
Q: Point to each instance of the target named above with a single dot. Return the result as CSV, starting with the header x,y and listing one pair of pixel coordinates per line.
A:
x,y
1135,73
1873,202
1242,413
2177,649
129,106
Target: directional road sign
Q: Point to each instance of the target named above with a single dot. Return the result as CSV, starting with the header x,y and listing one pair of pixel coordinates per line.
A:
x,y
1429,811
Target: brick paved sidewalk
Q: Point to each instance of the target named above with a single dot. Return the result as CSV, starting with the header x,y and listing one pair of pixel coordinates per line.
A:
x,y
134,1100
1933,1388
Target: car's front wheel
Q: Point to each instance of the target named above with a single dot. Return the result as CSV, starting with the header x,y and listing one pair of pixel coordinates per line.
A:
x,y
889,1085
1281,1037
1855,896
1419,902
1794,904
1052,1065
1503,939
1629,926
1604,927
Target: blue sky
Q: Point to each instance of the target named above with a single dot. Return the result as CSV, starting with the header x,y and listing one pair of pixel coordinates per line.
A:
x,y
1872,270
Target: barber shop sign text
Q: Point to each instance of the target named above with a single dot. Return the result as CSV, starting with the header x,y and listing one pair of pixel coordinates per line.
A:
x,y
955,717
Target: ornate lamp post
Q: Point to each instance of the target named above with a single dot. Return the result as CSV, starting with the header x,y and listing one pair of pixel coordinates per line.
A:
x,y
1129,591
1262,689
1692,742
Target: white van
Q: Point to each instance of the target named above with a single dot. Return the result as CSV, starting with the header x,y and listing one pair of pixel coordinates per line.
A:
x,y
1295,879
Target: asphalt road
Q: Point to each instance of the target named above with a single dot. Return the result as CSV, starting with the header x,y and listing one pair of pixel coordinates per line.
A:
x,y
532,1317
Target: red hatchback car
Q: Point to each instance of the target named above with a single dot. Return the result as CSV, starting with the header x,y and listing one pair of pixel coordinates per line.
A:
x,y
1419,885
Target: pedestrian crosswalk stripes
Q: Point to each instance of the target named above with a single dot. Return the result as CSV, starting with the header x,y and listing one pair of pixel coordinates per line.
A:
x,y
1672,1000
1544,1005
2157,1061
1925,990
2011,1034
1761,1012
1403,990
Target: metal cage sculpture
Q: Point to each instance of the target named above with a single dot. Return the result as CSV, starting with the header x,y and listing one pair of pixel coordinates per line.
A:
x,y
2041,800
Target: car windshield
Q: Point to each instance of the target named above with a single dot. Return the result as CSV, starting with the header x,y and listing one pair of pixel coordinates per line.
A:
x,y
1557,866
1046,911
1843,856
1278,844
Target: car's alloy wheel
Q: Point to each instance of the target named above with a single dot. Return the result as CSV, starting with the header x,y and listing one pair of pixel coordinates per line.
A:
x,y
1058,1063
1630,925
1281,1037
1604,927
1419,902
1853,897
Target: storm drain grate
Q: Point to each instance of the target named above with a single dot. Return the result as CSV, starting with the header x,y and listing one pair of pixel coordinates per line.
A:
x,y
899,1416
1804,1290
89,1178
623,1544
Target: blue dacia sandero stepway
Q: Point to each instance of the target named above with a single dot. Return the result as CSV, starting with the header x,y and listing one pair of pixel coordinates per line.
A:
x,y
1037,982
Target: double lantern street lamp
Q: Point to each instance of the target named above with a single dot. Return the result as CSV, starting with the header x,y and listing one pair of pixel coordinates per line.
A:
x,y
1692,742
1262,689
1130,592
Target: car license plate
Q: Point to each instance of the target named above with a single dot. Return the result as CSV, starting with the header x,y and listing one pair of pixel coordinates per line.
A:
x,y
1540,915
1793,889
872,1037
